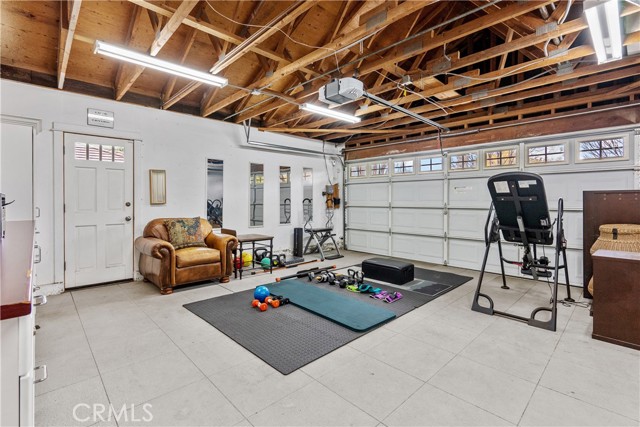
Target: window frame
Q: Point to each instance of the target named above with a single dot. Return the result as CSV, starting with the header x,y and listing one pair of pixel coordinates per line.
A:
x,y
393,168
419,164
363,165
625,146
370,169
462,153
567,156
492,150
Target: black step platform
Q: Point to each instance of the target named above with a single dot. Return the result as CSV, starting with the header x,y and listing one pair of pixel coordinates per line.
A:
x,y
388,270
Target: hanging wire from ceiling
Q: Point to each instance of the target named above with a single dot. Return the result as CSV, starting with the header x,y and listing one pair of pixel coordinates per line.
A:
x,y
378,51
405,88
333,51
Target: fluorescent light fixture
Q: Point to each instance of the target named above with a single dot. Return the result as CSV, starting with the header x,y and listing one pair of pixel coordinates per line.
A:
x,y
330,113
157,64
603,17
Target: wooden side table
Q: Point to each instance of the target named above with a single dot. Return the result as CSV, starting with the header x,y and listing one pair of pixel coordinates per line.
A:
x,y
256,240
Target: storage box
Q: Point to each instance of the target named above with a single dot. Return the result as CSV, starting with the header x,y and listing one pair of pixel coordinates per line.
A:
x,y
388,270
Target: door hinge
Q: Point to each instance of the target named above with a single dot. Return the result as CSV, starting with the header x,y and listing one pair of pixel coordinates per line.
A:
x,y
445,236
65,266
64,150
64,208
446,209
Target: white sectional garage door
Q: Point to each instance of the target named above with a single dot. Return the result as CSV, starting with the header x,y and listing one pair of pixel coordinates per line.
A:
x,y
439,217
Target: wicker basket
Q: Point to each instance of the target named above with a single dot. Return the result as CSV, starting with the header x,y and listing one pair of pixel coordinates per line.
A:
x,y
617,237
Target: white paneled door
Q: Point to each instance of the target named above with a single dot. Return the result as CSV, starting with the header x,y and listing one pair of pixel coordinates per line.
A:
x,y
98,193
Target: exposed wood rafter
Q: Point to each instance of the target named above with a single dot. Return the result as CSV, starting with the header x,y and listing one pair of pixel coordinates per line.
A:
x,y
68,24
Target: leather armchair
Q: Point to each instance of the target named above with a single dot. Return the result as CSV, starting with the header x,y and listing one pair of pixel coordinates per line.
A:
x,y
167,267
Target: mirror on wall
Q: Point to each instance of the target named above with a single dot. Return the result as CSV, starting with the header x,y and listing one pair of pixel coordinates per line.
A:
x,y
214,192
256,195
307,195
285,195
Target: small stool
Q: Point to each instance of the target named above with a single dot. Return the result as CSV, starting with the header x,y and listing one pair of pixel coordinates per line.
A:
x,y
388,270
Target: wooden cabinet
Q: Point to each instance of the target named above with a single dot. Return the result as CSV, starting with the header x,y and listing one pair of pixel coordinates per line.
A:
x,y
616,304
605,207
17,326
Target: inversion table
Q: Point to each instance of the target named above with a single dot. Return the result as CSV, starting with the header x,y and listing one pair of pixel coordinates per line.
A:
x,y
519,210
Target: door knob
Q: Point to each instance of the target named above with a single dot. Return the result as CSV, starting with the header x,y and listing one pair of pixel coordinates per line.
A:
x,y
127,204
127,219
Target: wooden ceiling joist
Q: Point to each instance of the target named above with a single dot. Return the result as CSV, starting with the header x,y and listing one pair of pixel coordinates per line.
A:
x,y
69,13
213,30
185,8
516,92
430,41
393,15
399,120
130,77
471,64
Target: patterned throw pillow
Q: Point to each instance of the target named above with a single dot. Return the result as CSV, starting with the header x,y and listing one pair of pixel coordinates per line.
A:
x,y
185,232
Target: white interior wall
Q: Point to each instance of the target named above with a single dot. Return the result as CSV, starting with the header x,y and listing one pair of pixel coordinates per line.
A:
x,y
179,144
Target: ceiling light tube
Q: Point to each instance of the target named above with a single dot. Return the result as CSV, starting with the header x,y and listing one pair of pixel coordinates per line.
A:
x,y
329,113
612,10
603,18
123,54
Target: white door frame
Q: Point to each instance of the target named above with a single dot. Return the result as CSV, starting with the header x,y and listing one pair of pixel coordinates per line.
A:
x,y
105,274
58,129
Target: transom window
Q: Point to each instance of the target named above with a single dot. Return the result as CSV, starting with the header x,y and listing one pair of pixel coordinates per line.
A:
x,y
431,164
98,153
609,148
379,169
546,154
357,171
497,158
463,161
402,167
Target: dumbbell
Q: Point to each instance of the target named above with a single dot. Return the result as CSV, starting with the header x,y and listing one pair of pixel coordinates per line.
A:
x,y
325,276
262,306
273,302
282,300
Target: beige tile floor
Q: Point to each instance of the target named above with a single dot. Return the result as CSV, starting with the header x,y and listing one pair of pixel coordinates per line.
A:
x,y
127,346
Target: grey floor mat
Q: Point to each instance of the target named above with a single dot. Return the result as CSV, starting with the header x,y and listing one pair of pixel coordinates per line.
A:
x,y
288,337
440,277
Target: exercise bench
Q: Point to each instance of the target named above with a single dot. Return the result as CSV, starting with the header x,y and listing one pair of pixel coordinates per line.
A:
x,y
321,235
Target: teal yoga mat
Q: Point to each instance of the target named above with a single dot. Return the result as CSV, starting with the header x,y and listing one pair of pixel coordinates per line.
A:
x,y
344,310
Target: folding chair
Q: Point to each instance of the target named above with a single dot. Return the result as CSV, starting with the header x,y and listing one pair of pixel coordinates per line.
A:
x,y
519,210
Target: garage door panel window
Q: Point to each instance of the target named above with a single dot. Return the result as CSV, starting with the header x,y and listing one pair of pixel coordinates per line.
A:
x,y
357,171
501,158
613,148
464,161
403,167
546,154
379,169
430,164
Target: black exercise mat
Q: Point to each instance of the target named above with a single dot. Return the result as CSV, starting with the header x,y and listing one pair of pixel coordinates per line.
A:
x,y
289,337
440,277
433,289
